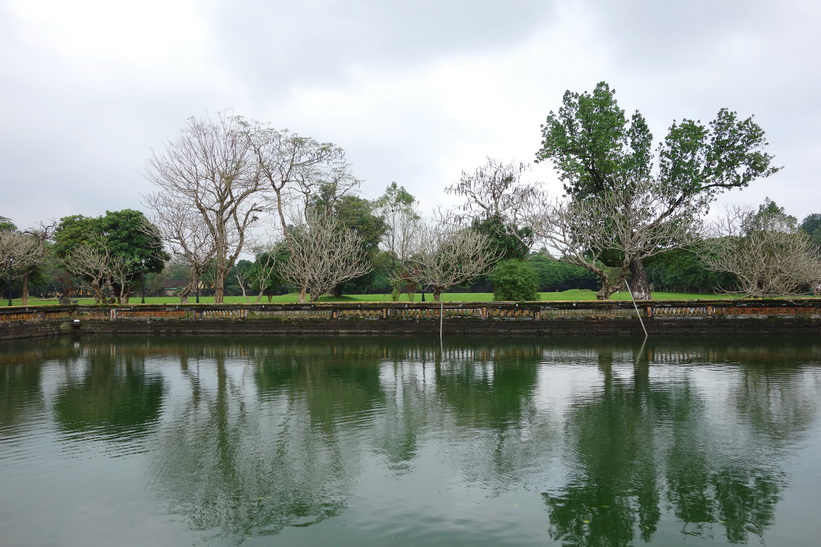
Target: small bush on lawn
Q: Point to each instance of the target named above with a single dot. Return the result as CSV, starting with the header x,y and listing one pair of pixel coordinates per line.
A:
x,y
514,280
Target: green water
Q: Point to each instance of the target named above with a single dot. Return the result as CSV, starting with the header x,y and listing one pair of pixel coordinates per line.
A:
x,y
396,441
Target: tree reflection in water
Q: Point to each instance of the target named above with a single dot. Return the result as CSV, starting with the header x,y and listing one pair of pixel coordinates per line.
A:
x,y
245,437
249,458
644,444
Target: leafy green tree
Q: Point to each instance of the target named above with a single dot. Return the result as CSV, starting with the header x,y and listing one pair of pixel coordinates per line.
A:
x,y
511,242
123,236
265,277
558,275
769,213
681,270
514,279
6,225
237,282
596,150
812,227
399,210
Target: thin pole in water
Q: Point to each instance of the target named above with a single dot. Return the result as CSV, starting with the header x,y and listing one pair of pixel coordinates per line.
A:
x,y
441,315
637,308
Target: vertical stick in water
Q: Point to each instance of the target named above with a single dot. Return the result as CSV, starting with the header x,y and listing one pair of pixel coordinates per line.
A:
x,y
637,308
441,315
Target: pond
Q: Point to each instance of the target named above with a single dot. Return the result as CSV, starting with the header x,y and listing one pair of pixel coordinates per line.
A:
x,y
401,441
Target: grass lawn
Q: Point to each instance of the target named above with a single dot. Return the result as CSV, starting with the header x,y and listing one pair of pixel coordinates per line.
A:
x,y
572,295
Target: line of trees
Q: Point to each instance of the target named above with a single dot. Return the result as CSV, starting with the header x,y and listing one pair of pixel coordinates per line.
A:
x,y
228,187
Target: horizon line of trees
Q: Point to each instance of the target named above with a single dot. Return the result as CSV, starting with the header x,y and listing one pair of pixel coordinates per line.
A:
x,y
227,187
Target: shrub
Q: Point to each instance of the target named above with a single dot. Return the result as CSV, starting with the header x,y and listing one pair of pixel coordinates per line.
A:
x,y
514,280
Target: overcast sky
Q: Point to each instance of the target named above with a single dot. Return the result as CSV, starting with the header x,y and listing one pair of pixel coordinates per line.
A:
x,y
415,92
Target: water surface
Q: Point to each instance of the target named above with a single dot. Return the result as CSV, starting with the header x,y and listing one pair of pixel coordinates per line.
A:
x,y
388,441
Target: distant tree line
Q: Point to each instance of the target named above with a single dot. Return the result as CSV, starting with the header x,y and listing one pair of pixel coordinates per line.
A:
x,y
242,208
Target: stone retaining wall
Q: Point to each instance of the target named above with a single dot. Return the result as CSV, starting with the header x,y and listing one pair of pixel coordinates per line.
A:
x,y
492,318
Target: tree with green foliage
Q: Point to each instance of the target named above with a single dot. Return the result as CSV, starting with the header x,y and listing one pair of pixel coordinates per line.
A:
x,y
115,250
811,225
514,279
6,225
398,209
358,215
512,242
597,151
265,273
681,270
560,275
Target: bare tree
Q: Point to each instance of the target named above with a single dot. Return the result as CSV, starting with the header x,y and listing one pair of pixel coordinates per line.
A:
x,y
767,253
187,237
450,256
294,168
495,199
92,265
20,254
211,167
612,232
494,190
323,254
120,277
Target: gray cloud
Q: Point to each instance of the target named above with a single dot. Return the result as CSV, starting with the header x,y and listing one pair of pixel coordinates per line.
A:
x,y
278,45
415,92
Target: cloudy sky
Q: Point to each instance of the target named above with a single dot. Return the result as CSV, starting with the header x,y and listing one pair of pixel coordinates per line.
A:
x,y
415,92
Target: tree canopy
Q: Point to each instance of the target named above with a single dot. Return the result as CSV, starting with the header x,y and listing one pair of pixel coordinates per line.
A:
x,y
596,150
594,147
116,249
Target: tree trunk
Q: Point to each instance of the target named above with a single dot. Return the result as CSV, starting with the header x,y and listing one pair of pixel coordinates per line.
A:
x,y
219,283
606,288
25,291
99,295
639,284
604,293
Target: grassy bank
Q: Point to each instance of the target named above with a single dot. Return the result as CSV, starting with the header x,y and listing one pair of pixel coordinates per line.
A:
x,y
571,295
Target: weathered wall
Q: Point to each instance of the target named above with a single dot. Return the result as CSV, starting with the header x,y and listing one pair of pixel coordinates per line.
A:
x,y
498,318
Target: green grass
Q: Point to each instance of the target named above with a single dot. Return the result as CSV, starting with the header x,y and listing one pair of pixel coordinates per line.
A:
x,y
571,295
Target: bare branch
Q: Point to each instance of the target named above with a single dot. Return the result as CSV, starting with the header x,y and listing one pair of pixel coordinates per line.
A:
x,y
211,169
494,189
768,256
295,167
634,220
448,257
187,237
323,255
